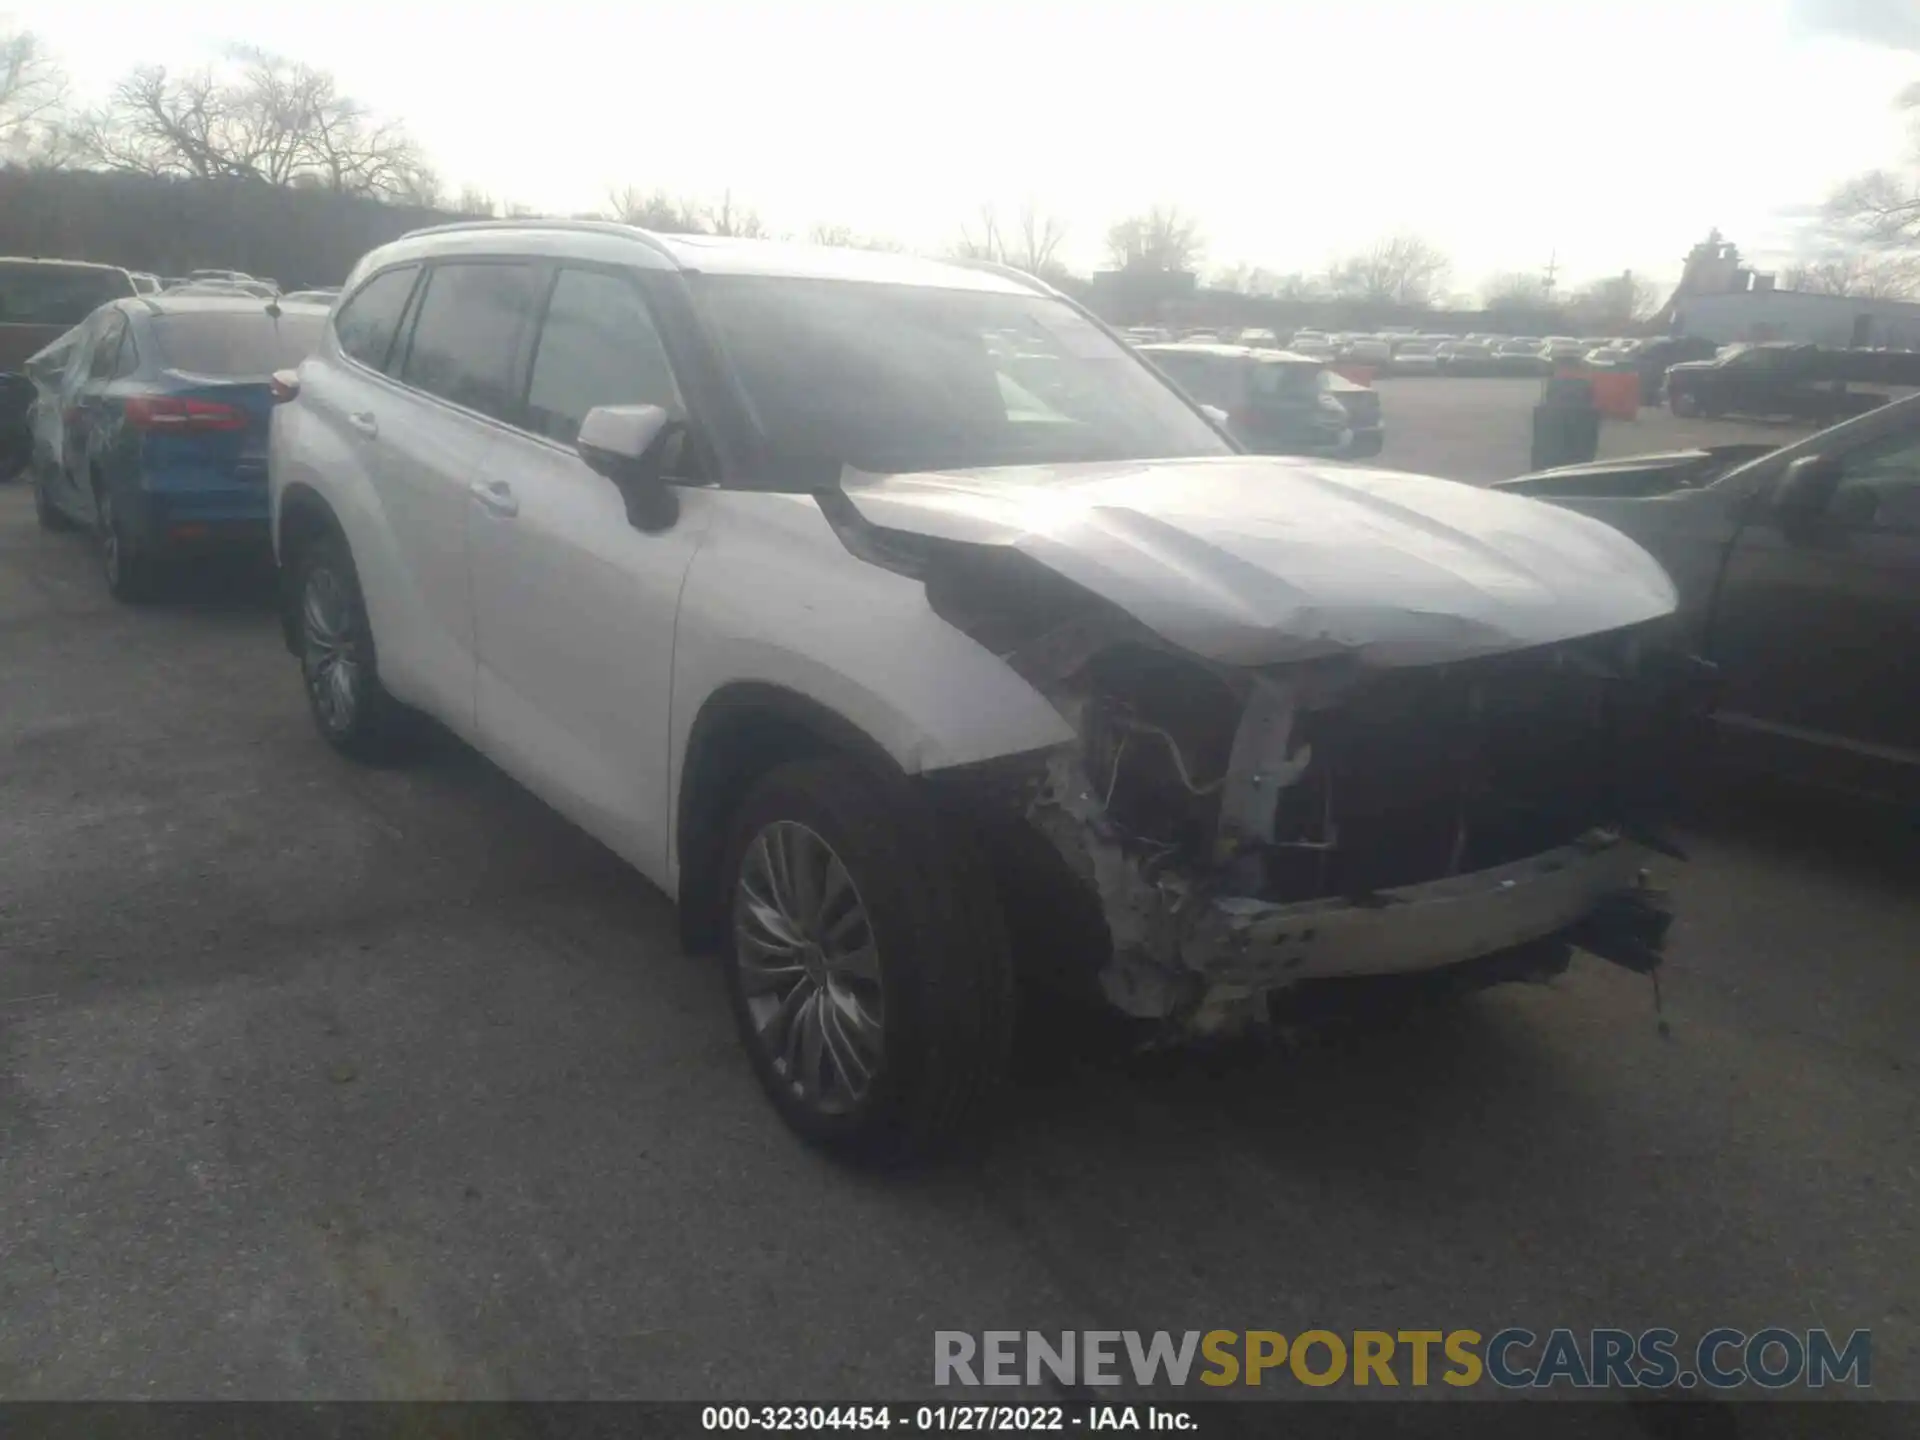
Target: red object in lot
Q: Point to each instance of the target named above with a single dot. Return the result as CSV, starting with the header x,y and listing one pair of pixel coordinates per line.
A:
x,y
174,412
1616,393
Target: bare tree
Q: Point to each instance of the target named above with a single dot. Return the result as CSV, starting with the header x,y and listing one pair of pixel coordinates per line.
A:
x,y
1616,302
258,117
32,90
472,200
1245,279
727,218
1037,241
1162,238
656,210
1400,270
1862,273
1881,209
981,238
1512,289
845,237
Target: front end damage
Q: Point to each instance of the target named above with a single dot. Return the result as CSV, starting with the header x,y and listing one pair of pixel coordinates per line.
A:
x,y
1234,833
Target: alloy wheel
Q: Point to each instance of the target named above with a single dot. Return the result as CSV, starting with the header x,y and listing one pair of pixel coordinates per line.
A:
x,y
330,651
809,968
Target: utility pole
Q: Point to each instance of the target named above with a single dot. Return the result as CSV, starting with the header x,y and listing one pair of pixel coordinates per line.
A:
x,y
1553,269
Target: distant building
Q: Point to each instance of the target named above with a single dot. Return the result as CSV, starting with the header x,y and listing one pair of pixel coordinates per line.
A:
x,y
1722,299
1799,317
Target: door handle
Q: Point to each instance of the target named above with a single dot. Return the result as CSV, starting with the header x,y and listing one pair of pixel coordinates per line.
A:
x,y
364,422
497,496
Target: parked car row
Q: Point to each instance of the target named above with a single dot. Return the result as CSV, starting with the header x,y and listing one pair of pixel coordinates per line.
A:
x,y
1275,402
1415,354
935,650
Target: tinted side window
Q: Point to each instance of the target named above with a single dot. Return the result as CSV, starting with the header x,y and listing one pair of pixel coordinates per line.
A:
x,y
1880,485
467,338
369,320
598,347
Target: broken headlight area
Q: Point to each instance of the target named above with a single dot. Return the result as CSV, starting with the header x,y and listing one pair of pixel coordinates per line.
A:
x,y
1219,835
1244,832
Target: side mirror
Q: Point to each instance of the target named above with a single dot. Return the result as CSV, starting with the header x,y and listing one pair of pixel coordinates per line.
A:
x,y
1806,487
634,446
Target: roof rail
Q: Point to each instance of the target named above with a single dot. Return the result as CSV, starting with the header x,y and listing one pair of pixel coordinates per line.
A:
x,y
1005,272
593,227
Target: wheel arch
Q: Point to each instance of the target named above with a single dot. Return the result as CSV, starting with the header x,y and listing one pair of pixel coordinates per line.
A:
x,y
303,516
743,730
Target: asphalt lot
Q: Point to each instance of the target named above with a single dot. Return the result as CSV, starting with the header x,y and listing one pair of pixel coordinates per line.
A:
x,y
327,1082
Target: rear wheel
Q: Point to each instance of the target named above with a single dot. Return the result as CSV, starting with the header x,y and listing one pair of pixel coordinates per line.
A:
x,y
1681,403
129,571
350,707
867,961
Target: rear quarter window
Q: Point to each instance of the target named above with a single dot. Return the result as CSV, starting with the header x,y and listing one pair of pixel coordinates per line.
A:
x,y
370,319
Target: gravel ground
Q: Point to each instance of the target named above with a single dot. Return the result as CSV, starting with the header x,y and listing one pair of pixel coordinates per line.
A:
x,y
326,1082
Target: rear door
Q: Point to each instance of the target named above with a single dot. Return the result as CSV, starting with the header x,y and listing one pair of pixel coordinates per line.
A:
x,y
464,358
1817,627
89,421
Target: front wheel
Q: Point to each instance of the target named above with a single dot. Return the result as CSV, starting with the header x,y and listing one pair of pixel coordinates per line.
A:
x,y
867,961
350,707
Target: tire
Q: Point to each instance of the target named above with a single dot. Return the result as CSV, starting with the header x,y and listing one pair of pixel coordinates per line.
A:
x,y
339,669
50,516
131,576
911,950
1682,404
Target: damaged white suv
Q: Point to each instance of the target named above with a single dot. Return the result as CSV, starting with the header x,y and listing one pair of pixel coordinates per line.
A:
x,y
934,651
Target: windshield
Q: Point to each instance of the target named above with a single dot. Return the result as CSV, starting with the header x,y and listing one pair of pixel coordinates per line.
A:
x,y
888,378
232,344
40,294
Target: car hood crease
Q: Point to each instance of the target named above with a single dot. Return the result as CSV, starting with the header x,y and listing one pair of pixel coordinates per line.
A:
x,y
1263,560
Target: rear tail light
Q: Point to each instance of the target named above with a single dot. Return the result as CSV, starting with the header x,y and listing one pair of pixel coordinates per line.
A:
x,y
174,412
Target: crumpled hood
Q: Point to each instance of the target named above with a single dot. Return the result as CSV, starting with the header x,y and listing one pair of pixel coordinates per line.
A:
x,y
1255,560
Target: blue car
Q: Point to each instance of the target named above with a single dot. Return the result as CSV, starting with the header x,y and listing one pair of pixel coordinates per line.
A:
x,y
150,427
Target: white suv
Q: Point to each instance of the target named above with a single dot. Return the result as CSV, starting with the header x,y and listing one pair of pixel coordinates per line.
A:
x,y
935,653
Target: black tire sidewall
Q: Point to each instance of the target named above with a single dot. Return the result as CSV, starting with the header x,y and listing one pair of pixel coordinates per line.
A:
x,y
946,974
372,731
133,581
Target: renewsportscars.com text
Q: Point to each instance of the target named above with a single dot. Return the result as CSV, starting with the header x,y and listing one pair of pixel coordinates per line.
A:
x,y
1514,1358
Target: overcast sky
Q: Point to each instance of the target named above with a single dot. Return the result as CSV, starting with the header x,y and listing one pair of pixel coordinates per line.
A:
x,y
1613,132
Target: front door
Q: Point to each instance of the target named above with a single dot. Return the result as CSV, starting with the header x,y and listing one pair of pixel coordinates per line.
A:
x,y
1817,625
574,606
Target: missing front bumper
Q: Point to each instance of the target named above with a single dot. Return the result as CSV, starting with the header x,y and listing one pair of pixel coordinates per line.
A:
x,y
1221,949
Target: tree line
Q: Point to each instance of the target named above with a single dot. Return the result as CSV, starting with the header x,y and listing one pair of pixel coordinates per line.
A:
x,y
256,118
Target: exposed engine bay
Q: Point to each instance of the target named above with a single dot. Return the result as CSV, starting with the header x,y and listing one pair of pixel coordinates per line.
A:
x,y
1246,830
1422,728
